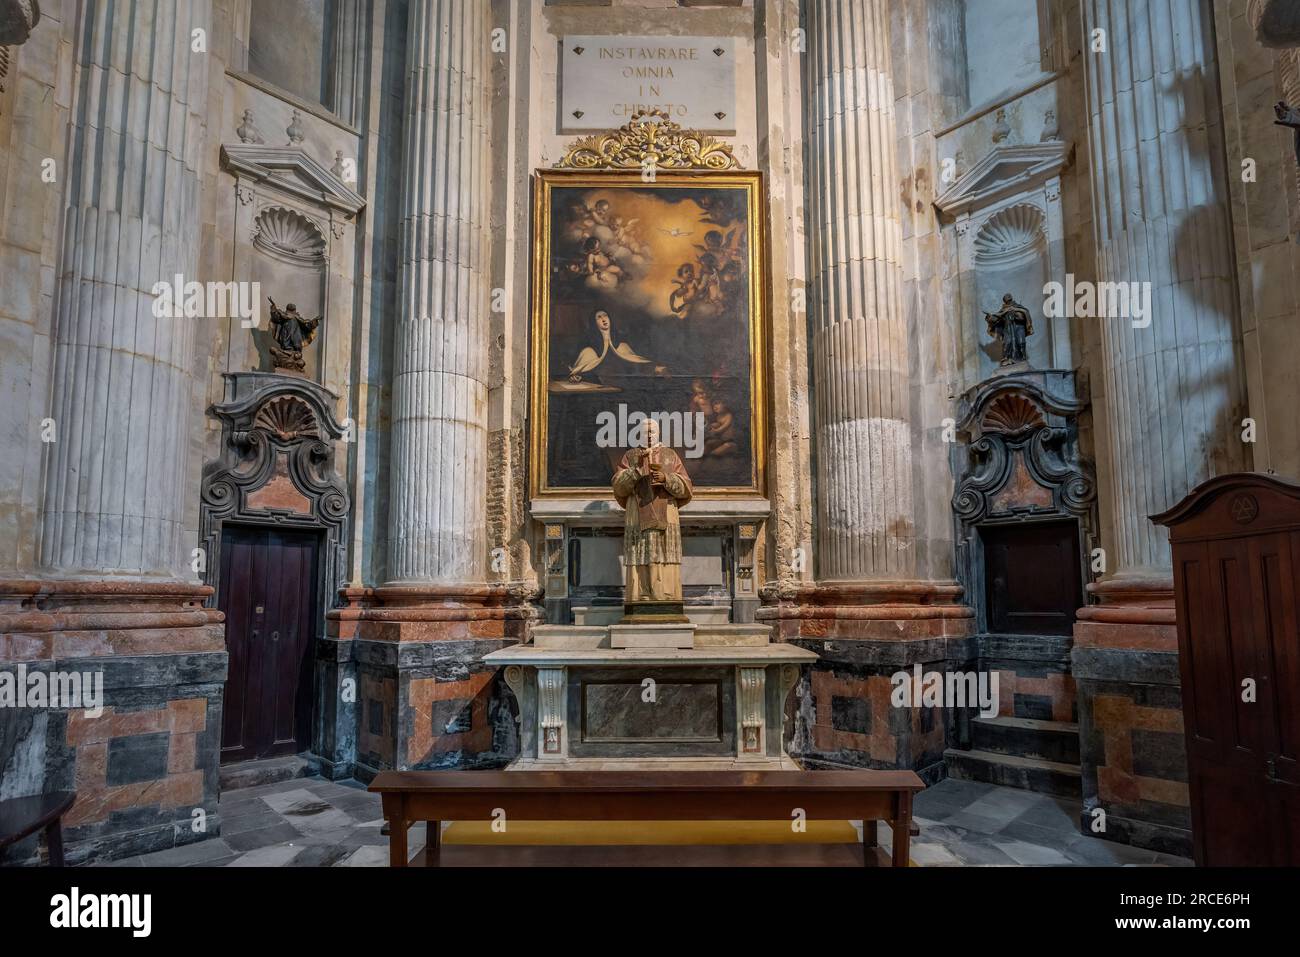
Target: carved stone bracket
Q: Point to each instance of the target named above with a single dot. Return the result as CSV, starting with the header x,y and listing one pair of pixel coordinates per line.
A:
x,y
752,711
649,140
552,704
277,469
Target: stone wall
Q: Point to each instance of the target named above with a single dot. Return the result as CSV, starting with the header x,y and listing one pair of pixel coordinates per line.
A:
x,y
144,767
1255,72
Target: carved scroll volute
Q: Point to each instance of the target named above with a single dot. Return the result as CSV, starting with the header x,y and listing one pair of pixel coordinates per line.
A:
x,y
514,678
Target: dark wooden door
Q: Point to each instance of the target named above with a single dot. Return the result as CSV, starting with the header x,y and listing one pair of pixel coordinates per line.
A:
x,y
1032,578
1236,552
268,592
1226,734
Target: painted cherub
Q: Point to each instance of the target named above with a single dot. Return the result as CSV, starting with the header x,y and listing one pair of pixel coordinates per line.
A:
x,y
687,288
720,433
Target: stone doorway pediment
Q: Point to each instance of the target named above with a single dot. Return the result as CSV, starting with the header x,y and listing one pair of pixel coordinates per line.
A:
x,y
1005,171
293,171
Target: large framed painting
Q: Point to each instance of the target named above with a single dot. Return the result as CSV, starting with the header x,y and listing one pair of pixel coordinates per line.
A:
x,y
648,303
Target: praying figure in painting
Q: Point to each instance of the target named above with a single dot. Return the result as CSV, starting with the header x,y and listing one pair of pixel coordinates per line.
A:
x,y
651,484
291,333
1011,325
613,354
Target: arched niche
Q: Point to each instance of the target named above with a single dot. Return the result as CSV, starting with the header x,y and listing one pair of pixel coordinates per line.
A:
x,y
1005,234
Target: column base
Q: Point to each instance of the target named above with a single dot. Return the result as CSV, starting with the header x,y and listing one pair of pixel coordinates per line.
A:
x,y
864,633
145,767
402,668
1132,750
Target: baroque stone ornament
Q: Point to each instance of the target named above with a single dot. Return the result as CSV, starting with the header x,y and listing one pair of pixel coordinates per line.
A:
x,y
277,469
1023,450
1022,463
649,140
247,130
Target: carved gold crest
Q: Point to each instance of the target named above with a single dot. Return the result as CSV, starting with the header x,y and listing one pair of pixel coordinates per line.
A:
x,y
650,140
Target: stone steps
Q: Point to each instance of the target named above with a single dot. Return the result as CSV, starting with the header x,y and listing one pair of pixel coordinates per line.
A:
x,y
1010,770
251,774
1056,741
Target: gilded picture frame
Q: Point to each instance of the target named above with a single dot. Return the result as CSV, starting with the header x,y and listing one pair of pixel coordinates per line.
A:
x,y
648,296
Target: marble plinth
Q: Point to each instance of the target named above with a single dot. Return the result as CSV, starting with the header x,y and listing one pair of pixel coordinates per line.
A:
x,y
615,696
652,636
613,614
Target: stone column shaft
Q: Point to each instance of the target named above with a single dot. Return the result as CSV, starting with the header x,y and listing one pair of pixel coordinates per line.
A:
x,y
859,348
437,525
115,491
1174,389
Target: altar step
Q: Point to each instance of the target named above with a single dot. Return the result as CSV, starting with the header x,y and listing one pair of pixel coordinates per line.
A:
x,y
1011,770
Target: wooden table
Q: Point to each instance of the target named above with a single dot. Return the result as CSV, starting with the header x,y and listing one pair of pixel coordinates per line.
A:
x,y
20,817
437,796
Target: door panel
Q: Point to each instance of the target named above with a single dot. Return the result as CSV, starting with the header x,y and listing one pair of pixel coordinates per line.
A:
x,y
1237,624
1033,581
268,592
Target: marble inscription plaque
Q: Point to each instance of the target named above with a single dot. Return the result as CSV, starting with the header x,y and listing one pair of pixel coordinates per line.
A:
x,y
604,80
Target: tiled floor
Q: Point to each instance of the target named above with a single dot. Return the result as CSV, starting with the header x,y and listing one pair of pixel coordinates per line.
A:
x,y
310,822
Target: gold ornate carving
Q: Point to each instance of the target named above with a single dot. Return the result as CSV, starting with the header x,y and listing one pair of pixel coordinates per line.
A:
x,y
650,140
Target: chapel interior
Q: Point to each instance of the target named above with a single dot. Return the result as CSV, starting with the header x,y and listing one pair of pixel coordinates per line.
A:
x,y
329,329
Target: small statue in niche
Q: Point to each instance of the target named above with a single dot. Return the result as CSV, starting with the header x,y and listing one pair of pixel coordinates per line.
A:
x,y
1011,325
291,333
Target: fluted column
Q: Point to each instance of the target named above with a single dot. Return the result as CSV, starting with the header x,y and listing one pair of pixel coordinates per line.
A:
x,y
1174,389
859,349
437,527
114,500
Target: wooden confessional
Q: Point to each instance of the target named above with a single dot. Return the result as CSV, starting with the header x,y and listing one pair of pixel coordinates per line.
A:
x,y
1236,560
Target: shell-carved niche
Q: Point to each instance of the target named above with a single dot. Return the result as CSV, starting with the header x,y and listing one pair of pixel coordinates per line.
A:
x,y
289,235
288,417
1010,235
277,467
1022,456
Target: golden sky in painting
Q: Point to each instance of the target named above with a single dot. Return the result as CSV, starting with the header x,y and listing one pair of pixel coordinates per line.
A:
x,y
656,218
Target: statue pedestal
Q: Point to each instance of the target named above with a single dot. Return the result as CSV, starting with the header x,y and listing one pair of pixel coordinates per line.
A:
x,y
652,636
717,703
